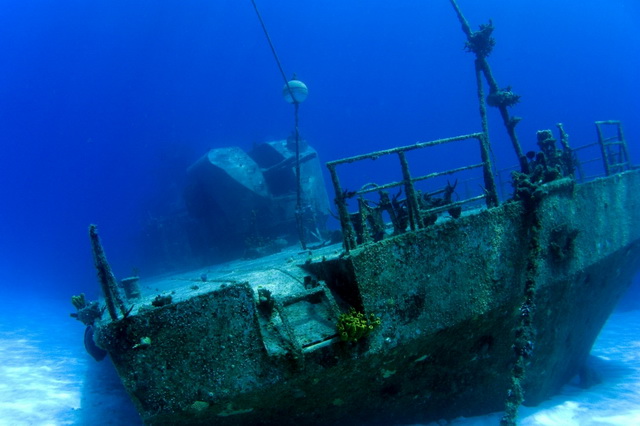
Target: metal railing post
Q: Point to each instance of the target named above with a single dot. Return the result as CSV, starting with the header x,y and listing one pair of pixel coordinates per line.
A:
x,y
413,209
487,173
348,233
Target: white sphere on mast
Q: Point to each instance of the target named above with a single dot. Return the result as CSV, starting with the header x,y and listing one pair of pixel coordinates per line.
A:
x,y
295,91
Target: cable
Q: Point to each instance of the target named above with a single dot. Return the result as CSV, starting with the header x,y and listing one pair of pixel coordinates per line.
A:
x,y
273,49
299,213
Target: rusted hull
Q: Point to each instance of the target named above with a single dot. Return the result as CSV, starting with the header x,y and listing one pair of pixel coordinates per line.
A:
x,y
450,300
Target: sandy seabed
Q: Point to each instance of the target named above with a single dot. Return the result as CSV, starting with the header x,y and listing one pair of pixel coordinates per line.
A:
x,y
47,378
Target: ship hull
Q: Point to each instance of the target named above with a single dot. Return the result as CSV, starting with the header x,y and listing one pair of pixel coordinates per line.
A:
x,y
450,299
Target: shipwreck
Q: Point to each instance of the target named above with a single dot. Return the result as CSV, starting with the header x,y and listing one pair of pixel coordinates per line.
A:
x,y
427,307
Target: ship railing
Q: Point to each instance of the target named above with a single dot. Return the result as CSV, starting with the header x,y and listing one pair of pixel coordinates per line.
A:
x,y
609,151
411,212
612,149
592,167
606,156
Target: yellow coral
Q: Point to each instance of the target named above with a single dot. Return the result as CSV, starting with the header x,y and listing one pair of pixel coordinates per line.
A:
x,y
354,325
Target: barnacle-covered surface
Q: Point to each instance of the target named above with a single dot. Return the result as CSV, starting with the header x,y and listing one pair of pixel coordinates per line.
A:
x,y
255,342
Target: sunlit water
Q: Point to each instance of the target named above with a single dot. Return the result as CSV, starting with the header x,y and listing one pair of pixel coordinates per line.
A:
x,y
46,378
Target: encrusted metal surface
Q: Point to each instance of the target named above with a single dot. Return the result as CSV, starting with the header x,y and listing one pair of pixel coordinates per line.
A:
x,y
252,342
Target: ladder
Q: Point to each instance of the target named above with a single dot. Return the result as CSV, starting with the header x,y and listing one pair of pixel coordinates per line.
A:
x,y
299,323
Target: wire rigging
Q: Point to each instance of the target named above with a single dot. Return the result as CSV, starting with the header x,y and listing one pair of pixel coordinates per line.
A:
x,y
273,49
299,212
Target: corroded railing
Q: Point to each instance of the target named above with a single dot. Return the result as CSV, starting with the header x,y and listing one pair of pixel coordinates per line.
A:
x,y
610,151
412,207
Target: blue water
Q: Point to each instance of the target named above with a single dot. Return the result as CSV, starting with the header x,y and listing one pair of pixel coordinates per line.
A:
x,y
103,104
